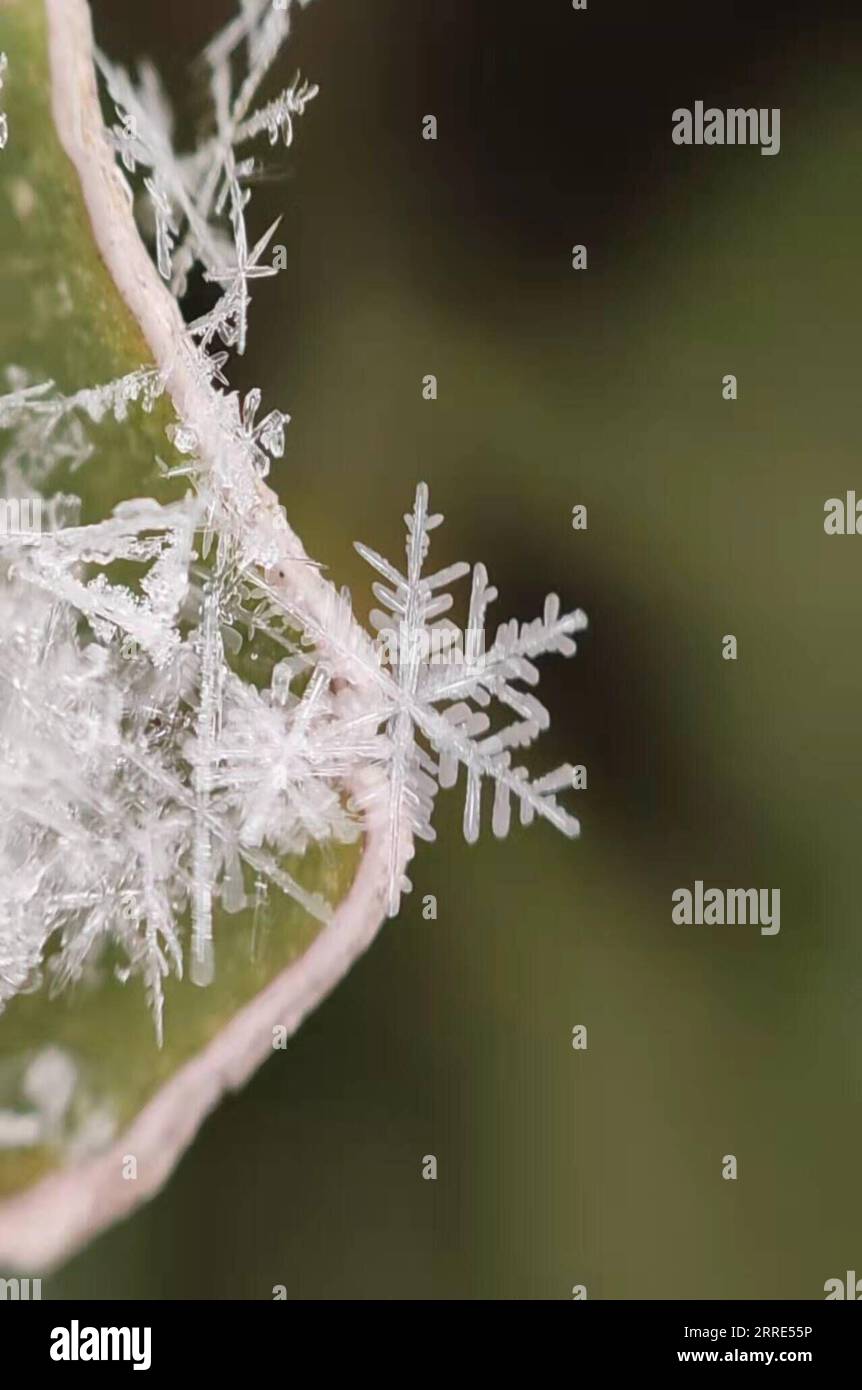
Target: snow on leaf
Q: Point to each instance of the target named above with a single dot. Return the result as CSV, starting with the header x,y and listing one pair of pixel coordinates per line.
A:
x,y
146,781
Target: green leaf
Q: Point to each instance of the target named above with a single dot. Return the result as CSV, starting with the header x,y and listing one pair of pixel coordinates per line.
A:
x,y
64,319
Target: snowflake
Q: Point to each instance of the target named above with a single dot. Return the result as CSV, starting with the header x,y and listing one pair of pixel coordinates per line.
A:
x,y
233,310
434,685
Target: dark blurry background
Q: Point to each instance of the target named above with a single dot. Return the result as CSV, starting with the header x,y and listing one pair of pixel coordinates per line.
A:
x,y
453,1037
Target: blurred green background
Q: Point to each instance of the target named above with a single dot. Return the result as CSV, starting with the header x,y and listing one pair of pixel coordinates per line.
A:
x,y
453,1037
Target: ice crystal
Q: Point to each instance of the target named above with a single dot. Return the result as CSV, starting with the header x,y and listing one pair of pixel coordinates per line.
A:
x,y
48,428
166,227
147,784
193,194
434,685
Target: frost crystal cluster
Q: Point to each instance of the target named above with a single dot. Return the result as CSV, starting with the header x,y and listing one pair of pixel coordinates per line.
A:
x,y
186,705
